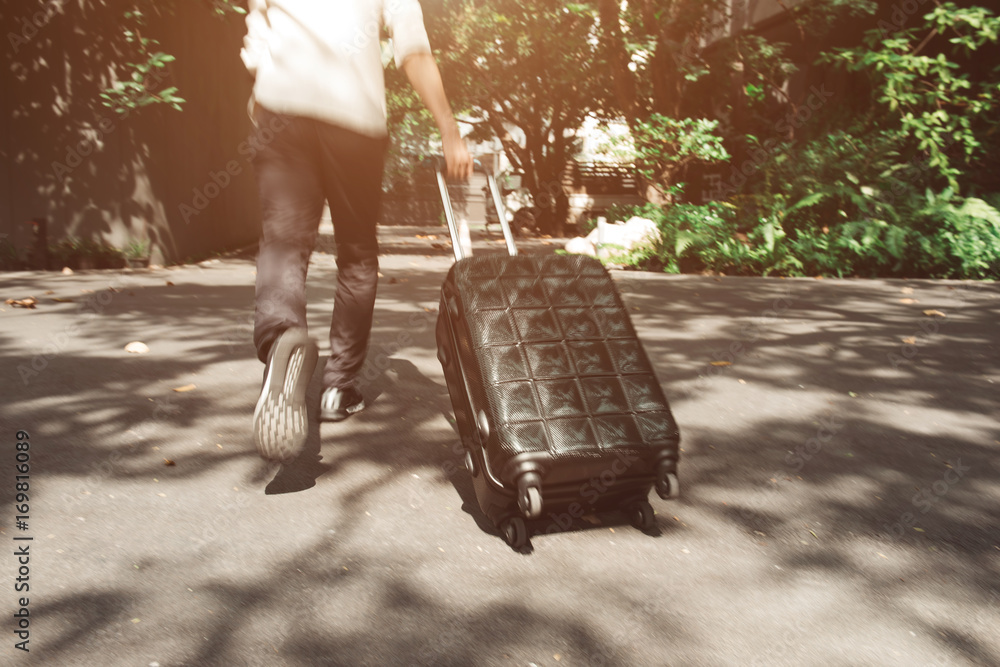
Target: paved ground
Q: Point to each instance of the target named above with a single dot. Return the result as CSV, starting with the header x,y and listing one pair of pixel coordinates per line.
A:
x,y
840,477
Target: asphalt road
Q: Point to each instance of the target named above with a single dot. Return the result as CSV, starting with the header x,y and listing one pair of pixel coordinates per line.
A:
x,y
840,484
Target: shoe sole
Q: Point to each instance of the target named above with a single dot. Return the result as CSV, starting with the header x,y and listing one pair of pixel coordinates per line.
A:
x,y
341,415
281,419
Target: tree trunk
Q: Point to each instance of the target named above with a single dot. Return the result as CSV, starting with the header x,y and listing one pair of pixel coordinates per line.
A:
x,y
618,59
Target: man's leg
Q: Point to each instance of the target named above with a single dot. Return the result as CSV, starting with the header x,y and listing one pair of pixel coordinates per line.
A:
x,y
291,196
352,174
289,180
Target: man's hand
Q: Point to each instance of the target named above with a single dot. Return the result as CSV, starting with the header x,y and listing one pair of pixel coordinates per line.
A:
x,y
425,78
457,158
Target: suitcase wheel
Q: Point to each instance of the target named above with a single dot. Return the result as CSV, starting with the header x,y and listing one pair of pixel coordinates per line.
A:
x,y
483,422
640,514
515,532
529,495
667,487
470,463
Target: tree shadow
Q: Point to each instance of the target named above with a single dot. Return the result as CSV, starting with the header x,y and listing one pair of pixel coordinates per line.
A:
x,y
118,173
788,460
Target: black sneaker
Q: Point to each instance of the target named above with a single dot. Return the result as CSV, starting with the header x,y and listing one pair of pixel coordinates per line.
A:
x,y
280,420
339,404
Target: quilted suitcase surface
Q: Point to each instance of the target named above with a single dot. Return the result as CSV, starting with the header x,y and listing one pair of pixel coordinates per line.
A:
x,y
556,402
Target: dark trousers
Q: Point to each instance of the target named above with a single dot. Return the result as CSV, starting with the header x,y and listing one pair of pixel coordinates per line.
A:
x,y
300,164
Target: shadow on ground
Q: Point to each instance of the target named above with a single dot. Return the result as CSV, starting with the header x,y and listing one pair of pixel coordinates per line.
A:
x,y
817,438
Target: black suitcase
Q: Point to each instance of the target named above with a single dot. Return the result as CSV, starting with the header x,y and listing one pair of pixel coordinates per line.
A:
x,y
557,405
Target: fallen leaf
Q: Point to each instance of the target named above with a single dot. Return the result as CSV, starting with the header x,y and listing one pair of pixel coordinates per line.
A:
x,y
169,284
59,300
852,394
22,303
187,387
819,277
910,340
908,301
591,519
907,290
137,347
934,313
722,363
919,530
136,620
168,462
742,381
67,271
49,291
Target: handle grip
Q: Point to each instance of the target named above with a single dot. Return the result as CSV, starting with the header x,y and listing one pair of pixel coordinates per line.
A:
x,y
453,229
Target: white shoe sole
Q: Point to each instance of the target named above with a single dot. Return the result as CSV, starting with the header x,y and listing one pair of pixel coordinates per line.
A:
x,y
280,419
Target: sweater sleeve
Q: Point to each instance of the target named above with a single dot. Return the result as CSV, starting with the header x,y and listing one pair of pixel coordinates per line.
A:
x,y
255,42
405,22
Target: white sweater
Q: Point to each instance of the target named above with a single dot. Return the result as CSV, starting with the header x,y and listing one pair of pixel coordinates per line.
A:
x,y
322,58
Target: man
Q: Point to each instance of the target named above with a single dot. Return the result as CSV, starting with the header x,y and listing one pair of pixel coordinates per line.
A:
x,y
319,105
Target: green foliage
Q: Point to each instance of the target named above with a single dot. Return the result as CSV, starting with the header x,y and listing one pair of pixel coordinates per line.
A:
x,y
707,238
664,146
139,78
137,92
964,236
852,205
136,249
10,256
413,135
527,71
85,254
927,98
935,235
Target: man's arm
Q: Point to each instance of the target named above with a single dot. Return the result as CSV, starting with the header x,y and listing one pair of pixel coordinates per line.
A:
x,y
425,78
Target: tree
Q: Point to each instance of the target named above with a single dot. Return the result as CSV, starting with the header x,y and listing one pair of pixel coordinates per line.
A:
x,y
526,68
925,98
674,61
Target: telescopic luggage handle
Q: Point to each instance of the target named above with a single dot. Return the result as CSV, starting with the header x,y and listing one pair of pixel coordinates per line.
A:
x,y
453,227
